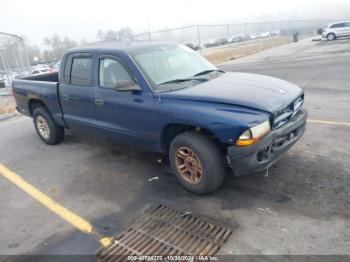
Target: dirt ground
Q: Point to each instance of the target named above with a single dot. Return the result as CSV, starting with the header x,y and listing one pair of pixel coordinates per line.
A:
x,y
7,105
225,53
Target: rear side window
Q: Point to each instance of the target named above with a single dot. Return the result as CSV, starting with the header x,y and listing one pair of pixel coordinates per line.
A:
x,y
338,25
81,72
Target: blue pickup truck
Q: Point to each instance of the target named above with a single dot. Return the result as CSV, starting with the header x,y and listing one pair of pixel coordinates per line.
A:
x,y
167,98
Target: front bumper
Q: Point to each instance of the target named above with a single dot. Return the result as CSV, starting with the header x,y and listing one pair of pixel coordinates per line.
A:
x,y
262,155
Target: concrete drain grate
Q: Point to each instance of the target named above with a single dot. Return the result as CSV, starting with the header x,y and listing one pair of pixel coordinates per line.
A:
x,y
164,231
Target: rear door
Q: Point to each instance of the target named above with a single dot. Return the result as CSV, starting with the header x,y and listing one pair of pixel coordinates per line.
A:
x,y
77,90
347,28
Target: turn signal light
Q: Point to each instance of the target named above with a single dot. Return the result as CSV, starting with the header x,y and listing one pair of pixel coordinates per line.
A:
x,y
246,142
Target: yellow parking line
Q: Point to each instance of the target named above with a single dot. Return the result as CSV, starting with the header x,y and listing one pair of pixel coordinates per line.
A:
x,y
329,122
51,204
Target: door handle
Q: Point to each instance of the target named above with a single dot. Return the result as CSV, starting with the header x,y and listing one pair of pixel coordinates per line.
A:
x,y
65,97
99,102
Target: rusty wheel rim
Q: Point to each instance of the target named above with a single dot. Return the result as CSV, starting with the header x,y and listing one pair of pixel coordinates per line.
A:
x,y
188,165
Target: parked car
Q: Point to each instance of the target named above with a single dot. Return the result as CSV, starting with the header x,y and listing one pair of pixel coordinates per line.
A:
x,y
275,32
222,41
211,43
247,37
236,39
264,34
40,69
55,66
254,36
8,76
336,30
193,45
2,83
216,42
167,98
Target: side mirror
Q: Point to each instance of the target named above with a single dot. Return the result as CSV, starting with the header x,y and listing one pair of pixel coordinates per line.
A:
x,y
126,85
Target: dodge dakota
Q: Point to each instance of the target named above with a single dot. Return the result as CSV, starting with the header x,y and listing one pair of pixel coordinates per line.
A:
x,y
167,98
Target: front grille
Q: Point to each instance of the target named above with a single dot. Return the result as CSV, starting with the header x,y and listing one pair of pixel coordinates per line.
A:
x,y
164,231
284,115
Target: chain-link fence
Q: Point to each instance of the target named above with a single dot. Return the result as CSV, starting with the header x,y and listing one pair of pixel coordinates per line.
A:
x,y
205,35
14,61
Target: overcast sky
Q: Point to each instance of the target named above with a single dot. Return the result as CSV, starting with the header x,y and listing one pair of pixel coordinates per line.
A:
x,y
77,19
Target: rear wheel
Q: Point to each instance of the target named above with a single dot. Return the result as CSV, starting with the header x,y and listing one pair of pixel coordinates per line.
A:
x,y
46,127
197,162
331,37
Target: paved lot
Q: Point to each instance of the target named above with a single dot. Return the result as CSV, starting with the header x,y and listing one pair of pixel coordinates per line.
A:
x,y
300,207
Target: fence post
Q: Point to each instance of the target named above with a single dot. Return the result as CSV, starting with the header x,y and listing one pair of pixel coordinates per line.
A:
x,y
5,67
20,56
149,31
260,39
26,57
199,38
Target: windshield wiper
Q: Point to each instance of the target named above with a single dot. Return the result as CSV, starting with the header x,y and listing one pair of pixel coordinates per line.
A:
x,y
179,80
208,71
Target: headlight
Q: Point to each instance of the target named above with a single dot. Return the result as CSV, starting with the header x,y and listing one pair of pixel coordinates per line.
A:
x,y
252,135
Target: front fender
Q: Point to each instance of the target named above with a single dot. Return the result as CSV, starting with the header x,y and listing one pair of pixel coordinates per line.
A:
x,y
226,122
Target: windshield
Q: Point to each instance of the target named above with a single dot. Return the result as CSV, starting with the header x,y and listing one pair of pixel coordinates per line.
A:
x,y
170,62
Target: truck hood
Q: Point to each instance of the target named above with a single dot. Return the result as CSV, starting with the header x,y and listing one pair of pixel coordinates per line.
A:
x,y
249,90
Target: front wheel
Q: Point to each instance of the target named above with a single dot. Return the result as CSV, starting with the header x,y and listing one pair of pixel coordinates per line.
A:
x,y
197,162
46,127
331,37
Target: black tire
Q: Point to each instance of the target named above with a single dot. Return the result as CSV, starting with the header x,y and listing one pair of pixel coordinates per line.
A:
x,y
331,37
56,132
209,156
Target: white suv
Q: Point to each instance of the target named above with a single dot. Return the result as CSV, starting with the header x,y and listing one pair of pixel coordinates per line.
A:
x,y
335,30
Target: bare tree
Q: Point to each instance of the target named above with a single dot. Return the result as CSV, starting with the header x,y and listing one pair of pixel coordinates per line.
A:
x,y
33,53
83,42
57,46
124,34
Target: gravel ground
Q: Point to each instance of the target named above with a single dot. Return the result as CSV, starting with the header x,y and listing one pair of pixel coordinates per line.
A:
x,y
7,105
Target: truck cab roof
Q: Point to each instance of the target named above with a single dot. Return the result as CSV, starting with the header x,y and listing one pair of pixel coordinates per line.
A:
x,y
127,47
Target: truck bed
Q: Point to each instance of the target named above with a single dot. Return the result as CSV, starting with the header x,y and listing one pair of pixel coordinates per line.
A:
x,y
43,88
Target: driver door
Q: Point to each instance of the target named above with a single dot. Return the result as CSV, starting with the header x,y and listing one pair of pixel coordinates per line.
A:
x,y
127,115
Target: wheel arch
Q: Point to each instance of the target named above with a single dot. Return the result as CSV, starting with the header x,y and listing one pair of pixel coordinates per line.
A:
x,y
171,130
35,103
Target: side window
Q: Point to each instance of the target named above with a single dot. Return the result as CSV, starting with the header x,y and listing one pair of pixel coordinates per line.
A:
x,y
81,71
338,25
110,72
